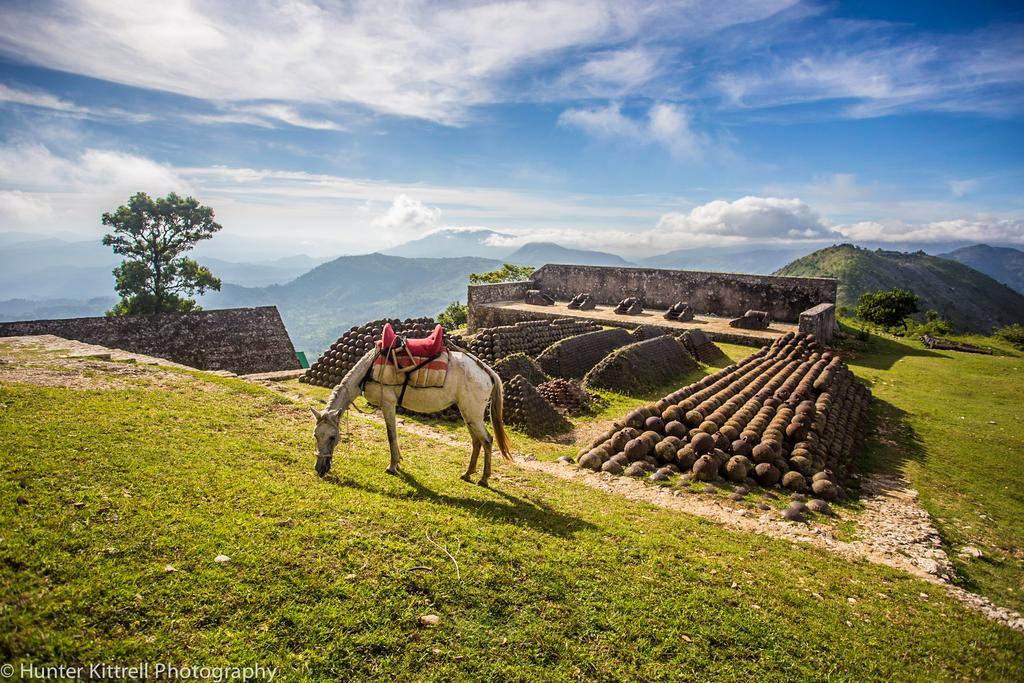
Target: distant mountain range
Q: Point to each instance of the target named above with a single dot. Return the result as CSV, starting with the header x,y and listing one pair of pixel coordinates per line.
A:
x,y
1003,264
970,299
735,259
320,297
538,253
318,306
53,278
455,242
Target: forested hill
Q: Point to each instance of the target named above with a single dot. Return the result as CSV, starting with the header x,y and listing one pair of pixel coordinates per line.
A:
x,y
1004,264
319,305
970,299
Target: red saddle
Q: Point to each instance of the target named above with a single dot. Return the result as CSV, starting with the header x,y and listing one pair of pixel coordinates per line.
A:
x,y
426,347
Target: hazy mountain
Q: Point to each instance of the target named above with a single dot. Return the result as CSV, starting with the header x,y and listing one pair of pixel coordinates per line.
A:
x,y
1003,264
451,242
539,253
26,309
318,306
61,271
734,259
970,299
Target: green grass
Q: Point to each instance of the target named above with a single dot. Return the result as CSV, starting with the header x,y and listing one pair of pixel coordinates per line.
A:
x,y
327,578
952,424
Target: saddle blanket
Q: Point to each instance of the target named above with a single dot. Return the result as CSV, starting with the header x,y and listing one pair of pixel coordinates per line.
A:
x,y
430,375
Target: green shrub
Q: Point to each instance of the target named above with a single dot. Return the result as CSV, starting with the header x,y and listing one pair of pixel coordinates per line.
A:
x,y
453,316
934,325
507,273
1013,334
887,309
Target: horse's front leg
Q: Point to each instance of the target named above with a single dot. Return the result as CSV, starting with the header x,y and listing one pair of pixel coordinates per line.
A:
x,y
388,407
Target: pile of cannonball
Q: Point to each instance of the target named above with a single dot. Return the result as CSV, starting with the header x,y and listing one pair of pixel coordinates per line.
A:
x,y
789,416
528,410
530,337
566,395
336,361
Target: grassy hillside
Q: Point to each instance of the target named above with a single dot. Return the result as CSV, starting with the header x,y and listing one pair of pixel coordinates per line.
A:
x,y
971,300
105,487
951,423
1002,264
318,306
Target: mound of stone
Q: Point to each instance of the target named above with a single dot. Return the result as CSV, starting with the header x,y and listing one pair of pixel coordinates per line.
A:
x,y
519,364
531,412
790,415
336,361
530,337
566,395
640,366
700,346
574,356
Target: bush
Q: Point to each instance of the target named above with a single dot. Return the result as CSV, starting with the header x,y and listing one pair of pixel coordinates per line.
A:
x,y
507,273
1013,334
887,309
934,325
454,316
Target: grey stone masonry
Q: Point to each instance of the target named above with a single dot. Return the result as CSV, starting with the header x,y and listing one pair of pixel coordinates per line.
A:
x,y
721,294
820,321
240,340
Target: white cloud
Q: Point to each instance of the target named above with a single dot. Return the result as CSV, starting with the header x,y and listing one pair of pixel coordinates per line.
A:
x,y
753,218
959,188
289,115
20,208
280,210
873,73
422,59
979,229
45,100
667,125
407,216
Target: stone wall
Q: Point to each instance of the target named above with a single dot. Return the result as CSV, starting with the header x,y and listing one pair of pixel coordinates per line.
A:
x,y
722,294
486,294
240,340
819,321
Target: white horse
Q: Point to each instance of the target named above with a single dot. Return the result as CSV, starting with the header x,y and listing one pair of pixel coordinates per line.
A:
x,y
470,384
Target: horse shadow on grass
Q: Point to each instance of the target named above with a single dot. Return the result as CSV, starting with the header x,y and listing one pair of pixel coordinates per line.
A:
x,y
891,441
882,352
508,509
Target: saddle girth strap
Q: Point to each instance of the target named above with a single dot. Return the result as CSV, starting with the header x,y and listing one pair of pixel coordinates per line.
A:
x,y
408,376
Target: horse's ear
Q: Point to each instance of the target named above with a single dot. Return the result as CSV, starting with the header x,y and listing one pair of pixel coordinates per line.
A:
x,y
318,415
332,415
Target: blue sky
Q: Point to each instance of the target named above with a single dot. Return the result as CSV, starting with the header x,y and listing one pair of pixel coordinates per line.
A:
x,y
632,127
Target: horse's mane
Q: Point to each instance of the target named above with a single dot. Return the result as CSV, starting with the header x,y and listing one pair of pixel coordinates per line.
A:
x,y
348,388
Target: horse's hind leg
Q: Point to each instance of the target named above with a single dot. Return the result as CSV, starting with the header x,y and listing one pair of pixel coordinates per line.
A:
x,y
472,458
478,428
477,442
388,408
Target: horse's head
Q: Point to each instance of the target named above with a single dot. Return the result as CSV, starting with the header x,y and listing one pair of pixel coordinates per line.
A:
x,y
326,433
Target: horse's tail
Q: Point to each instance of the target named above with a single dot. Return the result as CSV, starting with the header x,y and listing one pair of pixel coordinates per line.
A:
x,y
497,421
497,401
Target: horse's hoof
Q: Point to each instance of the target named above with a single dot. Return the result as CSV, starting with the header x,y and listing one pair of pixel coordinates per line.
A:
x,y
465,477
392,471
483,482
